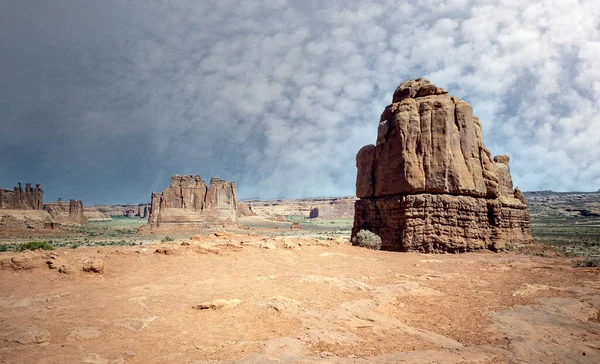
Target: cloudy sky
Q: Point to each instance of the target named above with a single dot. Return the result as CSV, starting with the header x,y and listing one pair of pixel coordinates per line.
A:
x,y
104,100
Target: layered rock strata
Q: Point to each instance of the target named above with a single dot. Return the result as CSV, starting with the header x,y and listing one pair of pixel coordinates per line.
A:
x,y
429,184
189,201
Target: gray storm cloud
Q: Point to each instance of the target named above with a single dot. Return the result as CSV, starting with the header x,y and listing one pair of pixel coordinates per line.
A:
x,y
103,101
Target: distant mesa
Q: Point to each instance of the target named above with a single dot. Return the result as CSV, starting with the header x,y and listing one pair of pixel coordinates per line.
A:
x,y
316,207
430,185
106,212
335,208
189,202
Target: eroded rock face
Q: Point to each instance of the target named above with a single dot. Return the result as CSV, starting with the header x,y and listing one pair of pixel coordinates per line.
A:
x,y
76,212
23,208
337,207
429,184
243,209
18,199
189,201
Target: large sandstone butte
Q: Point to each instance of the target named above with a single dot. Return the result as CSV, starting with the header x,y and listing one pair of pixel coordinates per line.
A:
x,y
430,185
189,201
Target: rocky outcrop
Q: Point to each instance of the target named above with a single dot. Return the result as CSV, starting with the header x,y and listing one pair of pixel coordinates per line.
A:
x,y
56,209
322,207
23,208
189,201
18,199
314,213
93,214
429,184
25,219
139,210
243,210
142,211
63,213
76,215
336,208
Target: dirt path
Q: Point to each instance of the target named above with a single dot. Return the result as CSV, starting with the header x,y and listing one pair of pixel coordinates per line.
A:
x,y
299,301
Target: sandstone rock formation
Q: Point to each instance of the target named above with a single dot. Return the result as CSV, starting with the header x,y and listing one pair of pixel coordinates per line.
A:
x,y
336,208
243,209
71,213
76,215
23,209
93,214
429,184
18,199
142,211
322,207
139,210
188,201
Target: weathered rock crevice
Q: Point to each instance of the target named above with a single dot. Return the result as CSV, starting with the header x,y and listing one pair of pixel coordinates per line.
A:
x,y
429,184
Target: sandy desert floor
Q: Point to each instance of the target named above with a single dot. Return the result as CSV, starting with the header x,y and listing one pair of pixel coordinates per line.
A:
x,y
292,300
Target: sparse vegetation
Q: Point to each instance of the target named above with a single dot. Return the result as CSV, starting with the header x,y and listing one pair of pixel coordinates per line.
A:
x,y
35,245
6,247
567,221
367,239
586,263
166,239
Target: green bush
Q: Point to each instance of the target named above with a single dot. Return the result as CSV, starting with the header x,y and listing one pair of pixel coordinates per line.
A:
x,y
35,245
586,263
367,239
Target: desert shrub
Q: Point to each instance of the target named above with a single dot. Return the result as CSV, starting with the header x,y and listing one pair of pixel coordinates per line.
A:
x,y
367,239
586,263
35,245
7,247
167,238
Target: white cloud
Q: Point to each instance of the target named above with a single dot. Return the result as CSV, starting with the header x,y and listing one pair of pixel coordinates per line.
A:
x,y
281,95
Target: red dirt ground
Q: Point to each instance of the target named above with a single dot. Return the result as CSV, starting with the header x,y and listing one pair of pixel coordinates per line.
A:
x,y
300,300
